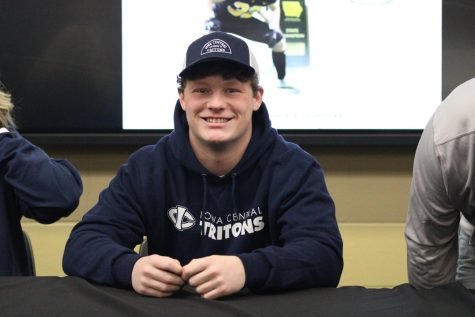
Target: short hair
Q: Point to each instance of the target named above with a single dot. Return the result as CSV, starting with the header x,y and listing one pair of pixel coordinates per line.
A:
x,y
226,69
6,109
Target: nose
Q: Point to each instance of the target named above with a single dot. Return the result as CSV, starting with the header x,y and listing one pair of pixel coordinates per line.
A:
x,y
216,101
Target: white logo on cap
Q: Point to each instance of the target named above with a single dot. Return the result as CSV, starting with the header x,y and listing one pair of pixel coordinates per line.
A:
x,y
216,46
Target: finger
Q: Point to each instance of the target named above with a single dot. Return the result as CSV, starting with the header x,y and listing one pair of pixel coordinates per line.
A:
x,y
193,268
167,278
166,264
153,273
213,294
155,293
161,286
170,279
200,278
206,287
154,288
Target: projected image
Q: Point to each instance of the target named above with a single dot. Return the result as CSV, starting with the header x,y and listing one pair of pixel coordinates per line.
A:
x,y
260,23
324,64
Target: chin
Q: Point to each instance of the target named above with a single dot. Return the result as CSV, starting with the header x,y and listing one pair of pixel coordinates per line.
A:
x,y
217,138
217,145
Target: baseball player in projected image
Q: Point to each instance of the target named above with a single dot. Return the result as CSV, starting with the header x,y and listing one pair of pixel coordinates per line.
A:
x,y
256,20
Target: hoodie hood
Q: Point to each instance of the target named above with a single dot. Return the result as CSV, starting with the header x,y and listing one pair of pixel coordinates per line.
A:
x,y
263,135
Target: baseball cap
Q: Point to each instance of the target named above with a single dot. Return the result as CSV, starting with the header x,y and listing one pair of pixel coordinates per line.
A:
x,y
219,46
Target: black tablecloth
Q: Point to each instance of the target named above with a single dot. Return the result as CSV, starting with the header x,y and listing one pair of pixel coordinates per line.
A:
x,y
71,296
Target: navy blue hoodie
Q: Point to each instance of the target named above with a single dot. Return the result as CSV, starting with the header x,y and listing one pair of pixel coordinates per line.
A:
x,y
272,210
31,185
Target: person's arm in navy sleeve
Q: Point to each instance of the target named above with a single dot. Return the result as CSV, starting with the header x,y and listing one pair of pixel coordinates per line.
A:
x,y
46,189
310,250
100,247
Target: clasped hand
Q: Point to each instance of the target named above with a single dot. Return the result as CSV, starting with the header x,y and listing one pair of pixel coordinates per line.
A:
x,y
212,276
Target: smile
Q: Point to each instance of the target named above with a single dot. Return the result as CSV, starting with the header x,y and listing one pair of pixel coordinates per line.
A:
x,y
216,120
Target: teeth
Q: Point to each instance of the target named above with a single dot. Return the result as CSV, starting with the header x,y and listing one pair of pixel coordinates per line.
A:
x,y
216,120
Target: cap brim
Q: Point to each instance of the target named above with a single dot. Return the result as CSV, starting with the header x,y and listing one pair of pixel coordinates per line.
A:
x,y
214,59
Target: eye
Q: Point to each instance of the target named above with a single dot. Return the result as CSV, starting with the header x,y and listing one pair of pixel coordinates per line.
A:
x,y
232,90
200,90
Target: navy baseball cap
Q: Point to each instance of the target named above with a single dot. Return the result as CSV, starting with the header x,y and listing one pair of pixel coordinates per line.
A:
x,y
219,46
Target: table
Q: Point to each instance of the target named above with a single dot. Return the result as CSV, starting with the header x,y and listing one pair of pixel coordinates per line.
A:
x,y
73,296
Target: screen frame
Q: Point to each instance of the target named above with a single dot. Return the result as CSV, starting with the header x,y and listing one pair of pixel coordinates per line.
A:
x,y
456,16
304,138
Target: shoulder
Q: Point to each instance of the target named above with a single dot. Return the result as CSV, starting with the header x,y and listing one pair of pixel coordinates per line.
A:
x,y
151,150
149,156
11,140
455,117
5,135
289,157
286,149
453,129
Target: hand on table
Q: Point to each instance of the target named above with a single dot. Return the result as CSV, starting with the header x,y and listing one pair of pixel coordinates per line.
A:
x,y
215,276
156,275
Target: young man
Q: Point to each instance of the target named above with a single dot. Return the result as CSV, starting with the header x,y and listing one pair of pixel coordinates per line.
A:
x,y
225,202
32,185
440,224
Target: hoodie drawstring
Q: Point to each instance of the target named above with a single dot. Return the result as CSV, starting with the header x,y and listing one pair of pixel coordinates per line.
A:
x,y
205,189
233,189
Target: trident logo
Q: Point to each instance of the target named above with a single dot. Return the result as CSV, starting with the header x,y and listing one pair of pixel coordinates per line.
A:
x,y
181,218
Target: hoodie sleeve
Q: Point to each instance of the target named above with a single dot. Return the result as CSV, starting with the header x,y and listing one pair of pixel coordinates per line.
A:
x,y
100,247
46,189
309,248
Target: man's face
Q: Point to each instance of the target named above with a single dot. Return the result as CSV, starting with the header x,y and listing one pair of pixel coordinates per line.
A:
x,y
219,111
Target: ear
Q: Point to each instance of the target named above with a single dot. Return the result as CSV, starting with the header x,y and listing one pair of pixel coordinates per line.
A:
x,y
258,99
181,98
